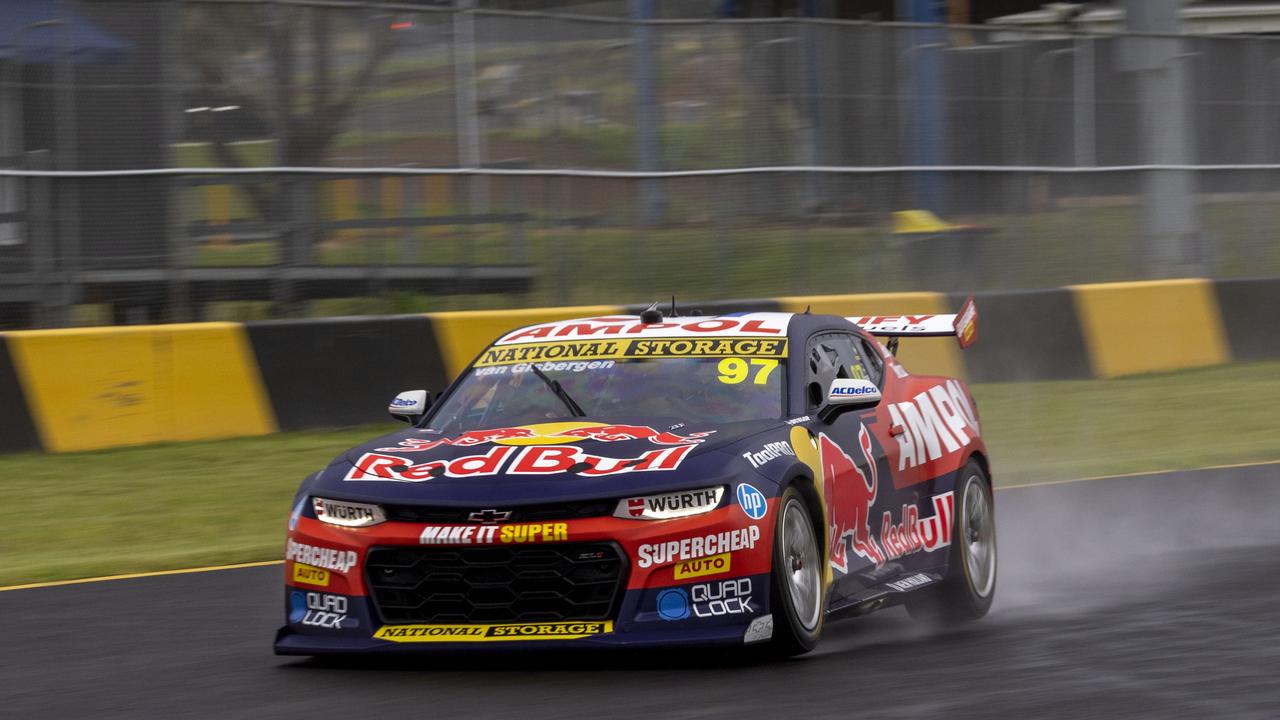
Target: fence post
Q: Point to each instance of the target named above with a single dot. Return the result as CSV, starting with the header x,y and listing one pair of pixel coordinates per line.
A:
x,y
1170,224
924,63
285,205
66,258
646,78
43,236
470,150
179,294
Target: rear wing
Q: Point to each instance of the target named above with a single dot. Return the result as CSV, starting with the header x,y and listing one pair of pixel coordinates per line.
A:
x,y
963,325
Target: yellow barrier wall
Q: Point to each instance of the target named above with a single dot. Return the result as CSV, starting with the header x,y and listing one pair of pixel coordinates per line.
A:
x,y
107,387
924,356
462,335
1137,327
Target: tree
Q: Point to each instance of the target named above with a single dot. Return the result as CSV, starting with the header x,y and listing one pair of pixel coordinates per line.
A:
x,y
250,56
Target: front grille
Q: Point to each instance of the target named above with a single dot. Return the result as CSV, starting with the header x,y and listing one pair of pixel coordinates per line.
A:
x,y
536,583
527,513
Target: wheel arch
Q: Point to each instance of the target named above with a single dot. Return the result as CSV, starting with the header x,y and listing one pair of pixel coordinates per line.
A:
x,y
981,458
803,482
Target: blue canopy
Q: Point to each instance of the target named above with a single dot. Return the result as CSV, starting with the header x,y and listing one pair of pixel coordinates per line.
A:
x,y
24,36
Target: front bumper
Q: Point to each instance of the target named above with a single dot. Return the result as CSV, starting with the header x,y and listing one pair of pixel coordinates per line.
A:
x,y
701,580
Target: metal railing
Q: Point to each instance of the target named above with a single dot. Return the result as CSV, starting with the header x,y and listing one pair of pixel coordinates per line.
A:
x,y
237,158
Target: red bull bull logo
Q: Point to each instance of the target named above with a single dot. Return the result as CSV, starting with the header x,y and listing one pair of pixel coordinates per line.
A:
x,y
619,433
551,434
850,491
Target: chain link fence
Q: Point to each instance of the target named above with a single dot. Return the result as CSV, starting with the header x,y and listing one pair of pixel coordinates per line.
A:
x,y
207,159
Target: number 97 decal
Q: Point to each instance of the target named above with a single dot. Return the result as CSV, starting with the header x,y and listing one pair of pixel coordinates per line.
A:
x,y
736,370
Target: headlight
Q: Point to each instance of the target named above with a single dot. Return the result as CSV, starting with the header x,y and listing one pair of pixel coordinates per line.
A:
x,y
348,514
666,506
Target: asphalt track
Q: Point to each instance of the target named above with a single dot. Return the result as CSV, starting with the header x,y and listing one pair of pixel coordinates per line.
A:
x,y
1152,596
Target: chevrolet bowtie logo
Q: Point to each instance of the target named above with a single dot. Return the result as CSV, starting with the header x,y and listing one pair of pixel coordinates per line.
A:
x,y
490,516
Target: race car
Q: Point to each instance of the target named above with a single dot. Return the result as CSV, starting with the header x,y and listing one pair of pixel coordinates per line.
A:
x,y
647,480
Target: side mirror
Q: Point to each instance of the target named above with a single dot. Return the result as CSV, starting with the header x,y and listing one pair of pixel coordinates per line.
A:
x,y
410,405
845,395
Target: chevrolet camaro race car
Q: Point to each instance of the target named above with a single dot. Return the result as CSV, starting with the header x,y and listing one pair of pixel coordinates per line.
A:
x,y
648,480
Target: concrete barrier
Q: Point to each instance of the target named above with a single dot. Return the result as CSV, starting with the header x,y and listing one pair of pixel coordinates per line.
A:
x,y
107,387
69,390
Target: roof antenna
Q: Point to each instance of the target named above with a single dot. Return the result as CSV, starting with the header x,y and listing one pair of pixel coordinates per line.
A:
x,y
673,306
807,309
651,314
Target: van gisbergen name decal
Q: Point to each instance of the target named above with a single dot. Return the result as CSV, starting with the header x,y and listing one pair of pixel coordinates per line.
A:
x,y
492,633
628,349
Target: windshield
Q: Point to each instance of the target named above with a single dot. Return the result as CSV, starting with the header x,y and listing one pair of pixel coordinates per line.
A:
x,y
686,389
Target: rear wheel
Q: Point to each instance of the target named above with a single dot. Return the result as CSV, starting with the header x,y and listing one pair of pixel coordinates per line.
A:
x,y
970,586
797,596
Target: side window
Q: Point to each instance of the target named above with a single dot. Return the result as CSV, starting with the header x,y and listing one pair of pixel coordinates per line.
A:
x,y
872,361
821,367
831,356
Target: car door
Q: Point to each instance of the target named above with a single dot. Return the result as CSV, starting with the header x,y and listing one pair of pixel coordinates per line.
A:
x,y
852,462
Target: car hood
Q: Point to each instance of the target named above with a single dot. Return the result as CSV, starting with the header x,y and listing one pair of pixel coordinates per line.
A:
x,y
604,460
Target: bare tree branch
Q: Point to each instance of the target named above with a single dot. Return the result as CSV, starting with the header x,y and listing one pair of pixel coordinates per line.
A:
x,y
383,46
220,43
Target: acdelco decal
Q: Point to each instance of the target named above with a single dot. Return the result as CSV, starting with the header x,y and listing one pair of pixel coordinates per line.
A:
x,y
596,350
492,633
532,460
697,547
328,558
936,422
672,327
494,534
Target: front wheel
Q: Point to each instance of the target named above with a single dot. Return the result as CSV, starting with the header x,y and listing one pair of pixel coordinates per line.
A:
x,y
797,596
970,586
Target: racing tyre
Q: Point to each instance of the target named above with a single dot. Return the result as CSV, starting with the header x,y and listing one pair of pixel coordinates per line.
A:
x,y
965,594
796,595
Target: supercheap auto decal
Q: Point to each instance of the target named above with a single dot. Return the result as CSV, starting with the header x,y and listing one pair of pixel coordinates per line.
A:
x,y
693,548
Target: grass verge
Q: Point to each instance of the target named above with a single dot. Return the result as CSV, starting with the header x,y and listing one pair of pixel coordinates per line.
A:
x,y
189,504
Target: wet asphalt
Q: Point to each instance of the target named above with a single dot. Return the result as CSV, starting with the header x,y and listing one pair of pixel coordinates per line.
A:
x,y
1148,597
